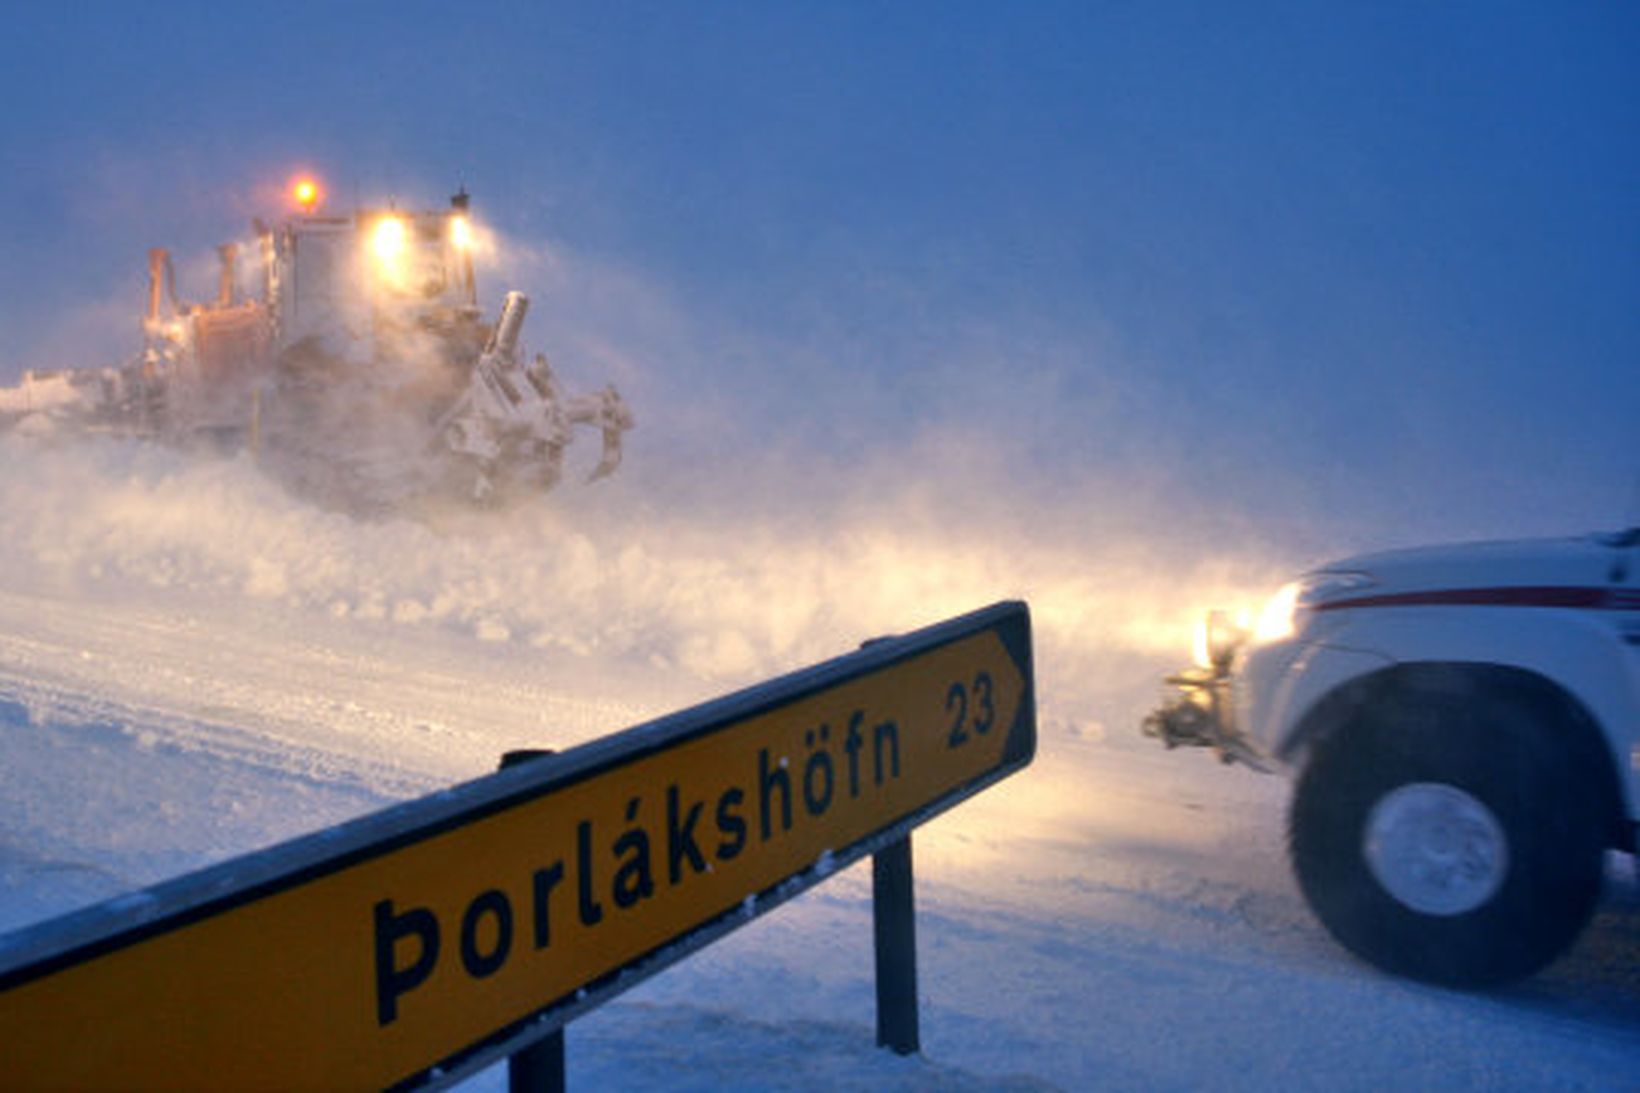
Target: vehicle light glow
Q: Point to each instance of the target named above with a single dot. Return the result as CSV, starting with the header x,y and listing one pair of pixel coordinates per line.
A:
x,y
1218,637
388,239
305,192
1276,620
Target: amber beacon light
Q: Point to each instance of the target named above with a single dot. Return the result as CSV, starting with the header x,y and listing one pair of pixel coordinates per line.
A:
x,y
305,192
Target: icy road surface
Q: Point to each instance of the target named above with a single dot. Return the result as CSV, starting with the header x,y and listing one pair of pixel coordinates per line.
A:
x,y
191,668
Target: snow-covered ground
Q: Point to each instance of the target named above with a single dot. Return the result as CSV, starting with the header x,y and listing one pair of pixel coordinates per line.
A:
x,y
194,665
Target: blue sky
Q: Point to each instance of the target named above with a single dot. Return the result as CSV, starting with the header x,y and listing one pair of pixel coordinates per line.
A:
x,y
1377,263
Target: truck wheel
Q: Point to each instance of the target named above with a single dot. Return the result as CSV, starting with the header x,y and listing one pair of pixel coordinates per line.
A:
x,y
1448,838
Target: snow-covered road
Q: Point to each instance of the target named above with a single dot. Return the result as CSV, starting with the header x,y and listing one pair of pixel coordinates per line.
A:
x,y
1114,917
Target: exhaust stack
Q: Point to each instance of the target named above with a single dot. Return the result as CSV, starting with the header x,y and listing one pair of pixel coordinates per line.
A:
x,y
229,278
161,286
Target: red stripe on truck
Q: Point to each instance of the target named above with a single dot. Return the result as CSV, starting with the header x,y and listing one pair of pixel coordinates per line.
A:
x,y
1573,598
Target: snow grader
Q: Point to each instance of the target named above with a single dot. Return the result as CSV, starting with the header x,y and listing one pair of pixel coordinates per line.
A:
x,y
358,368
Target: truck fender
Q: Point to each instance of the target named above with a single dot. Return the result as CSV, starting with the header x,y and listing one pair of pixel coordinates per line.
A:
x,y
1565,654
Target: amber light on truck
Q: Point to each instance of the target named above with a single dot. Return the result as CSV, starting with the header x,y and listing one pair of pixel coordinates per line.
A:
x,y
305,192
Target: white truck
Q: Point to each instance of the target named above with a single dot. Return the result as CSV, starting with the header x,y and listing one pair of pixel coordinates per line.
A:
x,y
1464,727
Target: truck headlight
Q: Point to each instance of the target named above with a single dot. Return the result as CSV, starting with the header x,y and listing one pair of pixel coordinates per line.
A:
x,y
1282,613
1222,634
1278,618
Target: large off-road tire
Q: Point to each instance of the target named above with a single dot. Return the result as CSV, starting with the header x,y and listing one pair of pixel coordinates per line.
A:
x,y
1449,836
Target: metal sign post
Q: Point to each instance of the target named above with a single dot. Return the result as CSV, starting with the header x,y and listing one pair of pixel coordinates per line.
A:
x,y
894,929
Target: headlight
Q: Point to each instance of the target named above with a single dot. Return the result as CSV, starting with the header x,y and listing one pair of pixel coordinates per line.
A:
x,y
461,233
1280,617
1277,619
1222,634
388,240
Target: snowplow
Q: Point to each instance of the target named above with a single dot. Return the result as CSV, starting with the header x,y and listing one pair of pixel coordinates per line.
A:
x,y
349,355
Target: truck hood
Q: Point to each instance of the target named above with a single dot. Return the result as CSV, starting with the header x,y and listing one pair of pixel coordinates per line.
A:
x,y
1568,563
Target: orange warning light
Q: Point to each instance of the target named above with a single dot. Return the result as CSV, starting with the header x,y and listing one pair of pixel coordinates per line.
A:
x,y
305,192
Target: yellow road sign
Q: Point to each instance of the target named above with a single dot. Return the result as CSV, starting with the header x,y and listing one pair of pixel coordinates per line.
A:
x,y
424,940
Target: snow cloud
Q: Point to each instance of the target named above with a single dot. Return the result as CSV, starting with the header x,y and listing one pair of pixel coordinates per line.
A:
x,y
761,577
